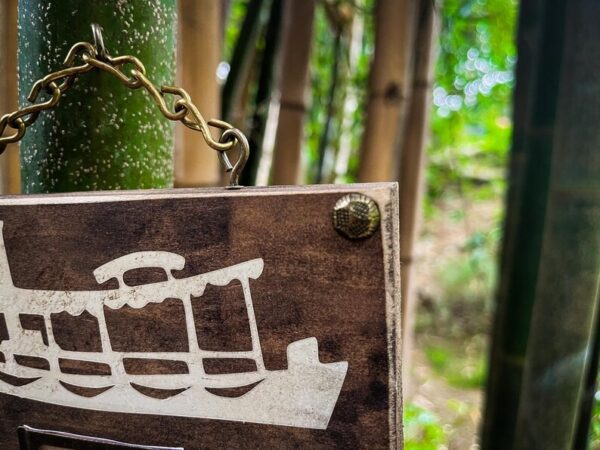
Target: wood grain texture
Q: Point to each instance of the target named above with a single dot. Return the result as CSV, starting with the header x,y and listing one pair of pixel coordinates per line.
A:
x,y
315,283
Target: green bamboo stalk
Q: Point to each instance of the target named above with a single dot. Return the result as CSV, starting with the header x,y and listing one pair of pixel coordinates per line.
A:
x,y
264,89
350,94
341,17
324,139
245,47
567,297
345,86
534,111
101,135
589,392
546,301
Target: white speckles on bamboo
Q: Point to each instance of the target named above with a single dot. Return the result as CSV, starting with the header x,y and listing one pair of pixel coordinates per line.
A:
x,y
101,136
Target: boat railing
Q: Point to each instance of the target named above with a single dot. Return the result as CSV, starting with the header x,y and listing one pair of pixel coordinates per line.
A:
x,y
30,343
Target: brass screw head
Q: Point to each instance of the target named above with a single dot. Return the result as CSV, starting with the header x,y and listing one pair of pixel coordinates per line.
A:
x,y
356,216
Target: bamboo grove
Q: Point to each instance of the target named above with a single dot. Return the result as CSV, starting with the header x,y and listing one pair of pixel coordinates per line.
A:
x,y
341,91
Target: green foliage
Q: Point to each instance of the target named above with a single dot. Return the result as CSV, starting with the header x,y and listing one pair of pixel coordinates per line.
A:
x,y
235,17
422,429
466,285
594,443
320,82
471,123
453,326
461,367
472,276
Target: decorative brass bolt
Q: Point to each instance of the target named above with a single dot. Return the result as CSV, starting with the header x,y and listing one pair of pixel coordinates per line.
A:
x,y
356,216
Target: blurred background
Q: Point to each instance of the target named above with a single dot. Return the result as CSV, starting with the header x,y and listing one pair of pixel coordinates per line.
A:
x,y
421,92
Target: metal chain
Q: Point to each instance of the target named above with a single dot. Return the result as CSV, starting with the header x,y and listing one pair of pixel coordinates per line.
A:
x,y
85,57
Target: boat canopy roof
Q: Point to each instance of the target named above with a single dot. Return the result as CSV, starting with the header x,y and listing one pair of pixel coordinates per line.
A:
x,y
138,260
43,302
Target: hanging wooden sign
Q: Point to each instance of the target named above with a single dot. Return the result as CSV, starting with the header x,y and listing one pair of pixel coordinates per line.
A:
x,y
260,317
224,318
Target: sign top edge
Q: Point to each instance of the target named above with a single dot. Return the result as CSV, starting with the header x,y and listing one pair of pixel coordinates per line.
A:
x,y
154,194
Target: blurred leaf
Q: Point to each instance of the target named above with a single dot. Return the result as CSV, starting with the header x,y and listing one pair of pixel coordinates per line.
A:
x,y
594,443
422,429
460,368
474,79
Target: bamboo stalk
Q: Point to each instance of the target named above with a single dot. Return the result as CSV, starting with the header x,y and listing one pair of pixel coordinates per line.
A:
x,y
199,53
589,390
267,79
412,168
325,137
389,87
342,20
101,135
298,26
10,166
567,290
225,10
540,33
355,38
243,53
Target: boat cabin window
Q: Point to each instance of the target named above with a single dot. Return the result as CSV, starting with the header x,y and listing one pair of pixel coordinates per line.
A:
x,y
157,327
76,333
3,328
221,319
34,322
222,366
3,334
149,366
145,275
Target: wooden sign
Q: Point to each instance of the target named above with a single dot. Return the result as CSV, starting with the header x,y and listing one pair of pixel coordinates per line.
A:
x,y
252,318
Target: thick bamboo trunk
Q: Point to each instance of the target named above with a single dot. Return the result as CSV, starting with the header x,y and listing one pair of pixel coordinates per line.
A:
x,y
297,42
389,86
199,53
541,28
567,297
412,169
10,166
101,135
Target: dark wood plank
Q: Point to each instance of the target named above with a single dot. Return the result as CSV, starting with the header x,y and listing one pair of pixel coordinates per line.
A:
x,y
315,283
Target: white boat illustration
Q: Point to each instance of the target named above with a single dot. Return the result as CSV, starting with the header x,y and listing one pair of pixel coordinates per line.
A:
x,y
304,395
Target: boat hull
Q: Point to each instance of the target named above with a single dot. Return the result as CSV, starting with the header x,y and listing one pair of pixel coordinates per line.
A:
x,y
302,396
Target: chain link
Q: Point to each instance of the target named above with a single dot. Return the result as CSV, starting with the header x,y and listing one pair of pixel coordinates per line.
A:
x,y
84,57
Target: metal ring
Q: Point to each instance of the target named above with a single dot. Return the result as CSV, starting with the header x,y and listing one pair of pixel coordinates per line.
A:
x,y
99,42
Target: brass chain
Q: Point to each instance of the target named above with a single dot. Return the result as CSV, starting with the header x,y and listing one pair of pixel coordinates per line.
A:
x,y
85,57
